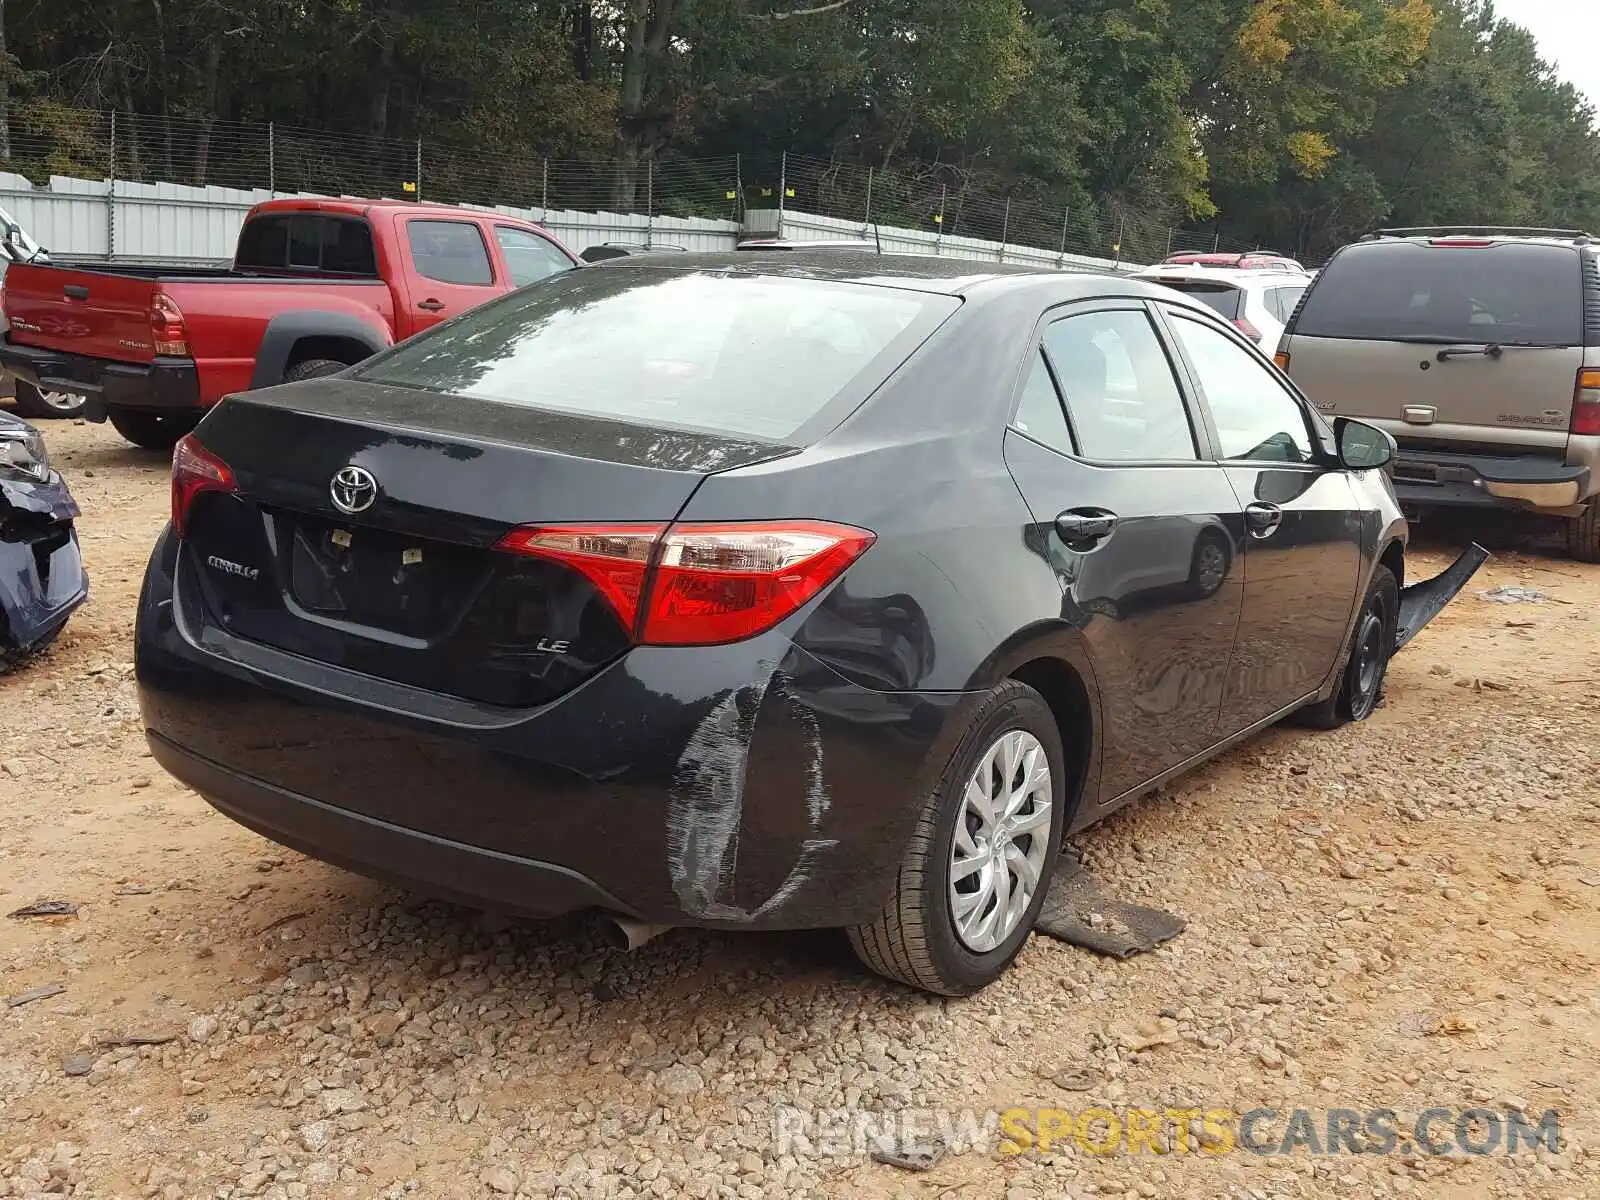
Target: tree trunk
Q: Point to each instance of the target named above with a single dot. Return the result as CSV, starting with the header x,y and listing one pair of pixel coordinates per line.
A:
x,y
648,36
582,39
208,101
635,66
163,76
381,82
5,90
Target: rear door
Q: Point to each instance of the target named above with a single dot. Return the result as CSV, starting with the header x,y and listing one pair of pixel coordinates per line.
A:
x,y
1449,342
1302,550
451,269
1142,529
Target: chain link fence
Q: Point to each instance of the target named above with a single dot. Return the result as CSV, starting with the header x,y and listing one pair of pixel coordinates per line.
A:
x,y
48,139
947,201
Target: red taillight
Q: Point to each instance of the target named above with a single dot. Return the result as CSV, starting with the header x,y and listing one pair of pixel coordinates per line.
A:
x,y
195,470
614,558
1586,404
700,584
1249,330
1460,243
167,330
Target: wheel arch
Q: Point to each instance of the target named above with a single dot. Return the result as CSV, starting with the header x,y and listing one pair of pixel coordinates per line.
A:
x,y
1393,556
1051,658
1065,691
294,337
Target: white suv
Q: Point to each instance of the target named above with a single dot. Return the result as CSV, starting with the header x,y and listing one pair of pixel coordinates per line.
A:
x,y
1258,296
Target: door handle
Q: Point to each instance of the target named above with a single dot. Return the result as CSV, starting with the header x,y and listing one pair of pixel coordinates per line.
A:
x,y
430,304
1263,519
75,291
1085,526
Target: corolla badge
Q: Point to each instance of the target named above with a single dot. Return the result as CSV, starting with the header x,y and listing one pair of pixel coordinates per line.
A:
x,y
354,490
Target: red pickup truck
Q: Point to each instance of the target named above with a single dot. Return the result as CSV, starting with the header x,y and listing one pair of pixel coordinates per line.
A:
x,y
315,286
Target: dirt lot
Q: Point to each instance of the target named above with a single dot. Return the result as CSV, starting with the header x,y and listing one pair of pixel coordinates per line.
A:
x,y
1398,915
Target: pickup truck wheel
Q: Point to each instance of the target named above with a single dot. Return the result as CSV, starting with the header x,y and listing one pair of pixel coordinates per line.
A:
x,y
31,402
1583,534
981,856
313,368
152,430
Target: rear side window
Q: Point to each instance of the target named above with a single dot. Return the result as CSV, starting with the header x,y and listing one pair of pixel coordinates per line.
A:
x,y
306,242
529,257
449,252
1219,297
1039,413
1510,293
730,354
1121,395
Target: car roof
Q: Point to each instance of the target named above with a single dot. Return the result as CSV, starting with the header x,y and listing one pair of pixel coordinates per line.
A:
x,y
1496,235
355,206
921,273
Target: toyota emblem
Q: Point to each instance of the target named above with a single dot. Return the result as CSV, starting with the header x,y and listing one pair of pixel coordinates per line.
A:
x,y
353,489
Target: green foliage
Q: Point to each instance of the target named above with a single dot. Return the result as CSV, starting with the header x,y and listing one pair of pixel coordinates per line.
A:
x,y
1292,123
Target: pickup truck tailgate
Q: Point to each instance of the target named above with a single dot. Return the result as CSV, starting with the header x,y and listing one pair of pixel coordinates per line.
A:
x,y
99,315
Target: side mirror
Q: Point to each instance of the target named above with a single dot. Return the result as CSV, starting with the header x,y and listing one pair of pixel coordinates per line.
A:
x,y
1363,447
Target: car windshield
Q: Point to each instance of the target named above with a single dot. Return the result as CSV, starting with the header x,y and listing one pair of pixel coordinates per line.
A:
x,y
741,355
1510,293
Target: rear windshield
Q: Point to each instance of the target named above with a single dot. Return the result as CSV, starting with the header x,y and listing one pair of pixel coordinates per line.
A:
x,y
304,242
745,356
1507,294
1219,297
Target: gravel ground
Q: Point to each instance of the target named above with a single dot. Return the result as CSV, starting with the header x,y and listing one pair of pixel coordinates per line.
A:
x,y
1400,914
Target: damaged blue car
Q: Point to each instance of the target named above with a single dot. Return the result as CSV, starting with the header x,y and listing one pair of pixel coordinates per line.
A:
x,y
42,580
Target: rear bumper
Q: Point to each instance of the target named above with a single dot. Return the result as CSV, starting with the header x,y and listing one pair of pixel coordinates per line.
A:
x,y
743,786
1443,479
165,385
380,850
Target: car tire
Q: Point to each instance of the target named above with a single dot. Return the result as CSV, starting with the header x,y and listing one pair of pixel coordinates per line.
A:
x,y
915,938
44,406
152,430
314,368
1371,646
1583,534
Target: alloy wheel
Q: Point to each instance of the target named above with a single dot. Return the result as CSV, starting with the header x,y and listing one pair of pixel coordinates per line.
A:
x,y
1001,842
62,401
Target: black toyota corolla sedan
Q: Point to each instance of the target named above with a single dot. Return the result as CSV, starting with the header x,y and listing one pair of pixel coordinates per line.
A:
x,y
701,590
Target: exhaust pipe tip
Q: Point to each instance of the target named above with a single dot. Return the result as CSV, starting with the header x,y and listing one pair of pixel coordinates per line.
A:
x,y
624,933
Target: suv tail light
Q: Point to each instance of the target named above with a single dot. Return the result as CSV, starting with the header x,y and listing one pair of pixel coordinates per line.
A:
x,y
696,584
195,470
1586,403
167,329
1249,330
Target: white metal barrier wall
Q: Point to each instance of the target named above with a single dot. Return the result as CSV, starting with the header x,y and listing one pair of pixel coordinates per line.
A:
x,y
82,218
96,219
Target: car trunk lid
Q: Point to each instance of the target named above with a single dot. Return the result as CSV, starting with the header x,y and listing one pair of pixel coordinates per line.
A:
x,y
410,587
92,313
